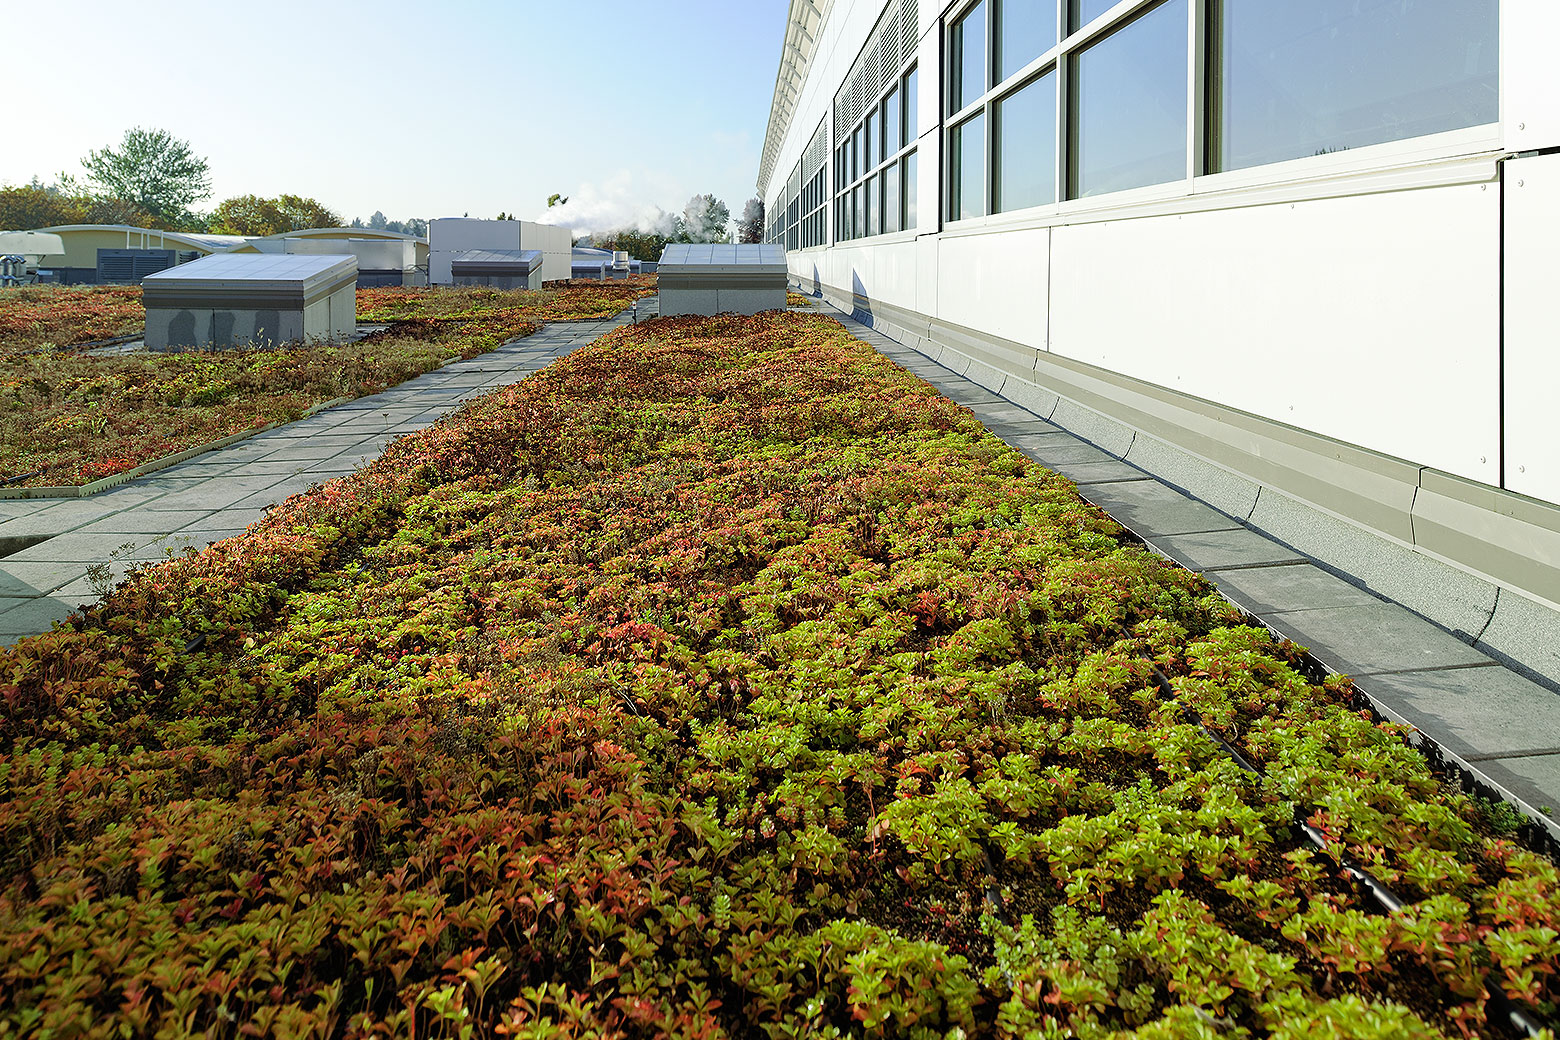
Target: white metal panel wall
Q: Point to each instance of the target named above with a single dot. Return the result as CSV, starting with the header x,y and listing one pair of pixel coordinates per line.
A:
x,y
1530,100
450,236
996,283
1372,318
1533,326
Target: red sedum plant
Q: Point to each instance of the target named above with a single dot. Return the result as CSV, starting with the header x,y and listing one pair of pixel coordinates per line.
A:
x,y
719,680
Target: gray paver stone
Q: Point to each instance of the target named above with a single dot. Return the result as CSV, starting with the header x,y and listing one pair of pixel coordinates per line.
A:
x,y
1150,508
1374,638
1300,586
1484,711
1219,550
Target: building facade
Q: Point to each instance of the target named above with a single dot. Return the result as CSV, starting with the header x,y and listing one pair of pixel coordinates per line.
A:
x,y
1295,256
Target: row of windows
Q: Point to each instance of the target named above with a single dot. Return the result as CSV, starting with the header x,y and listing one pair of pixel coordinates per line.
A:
x,y
875,166
1047,101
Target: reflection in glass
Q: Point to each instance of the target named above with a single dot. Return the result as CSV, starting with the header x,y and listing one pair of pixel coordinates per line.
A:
x,y
869,141
1129,105
872,205
967,80
912,127
1307,77
855,154
891,186
910,189
1085,11
859,215
1026,29
967,174
892,142
1025,134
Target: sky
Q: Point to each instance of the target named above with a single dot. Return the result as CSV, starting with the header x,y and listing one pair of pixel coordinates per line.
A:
x,y
417,109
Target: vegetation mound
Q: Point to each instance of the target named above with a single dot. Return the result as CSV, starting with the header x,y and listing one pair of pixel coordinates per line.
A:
x,y
719,680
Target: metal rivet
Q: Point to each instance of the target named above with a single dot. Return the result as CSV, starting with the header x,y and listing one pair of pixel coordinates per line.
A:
x,y
1522,184
1521,126
1481,458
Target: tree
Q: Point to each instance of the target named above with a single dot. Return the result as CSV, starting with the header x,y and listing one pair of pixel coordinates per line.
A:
x,y
750,228
704,219
34,206
641,245
378,221
556,200
151,168
252,215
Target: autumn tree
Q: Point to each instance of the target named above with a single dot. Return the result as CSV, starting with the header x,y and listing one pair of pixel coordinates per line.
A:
x,y
34,206
253,215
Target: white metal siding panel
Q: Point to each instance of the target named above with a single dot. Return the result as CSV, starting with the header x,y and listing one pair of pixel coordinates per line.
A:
x,y
1372,319
1530,102
1532,327
997,284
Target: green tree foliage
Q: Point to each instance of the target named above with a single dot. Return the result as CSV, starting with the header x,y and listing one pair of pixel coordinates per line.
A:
x,y
153,169
704,219
750,226
556,199
252,215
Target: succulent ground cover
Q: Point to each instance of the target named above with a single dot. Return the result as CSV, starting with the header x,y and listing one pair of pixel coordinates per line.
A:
x,y
560,301
68,418
720,680
34,317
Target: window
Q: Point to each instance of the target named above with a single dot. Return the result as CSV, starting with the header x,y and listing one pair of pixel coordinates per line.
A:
x,y
1129,104
893,131
1026,29
893,207
967,46
967,169
1025,133
874,188
1306,77
912,132
1085,11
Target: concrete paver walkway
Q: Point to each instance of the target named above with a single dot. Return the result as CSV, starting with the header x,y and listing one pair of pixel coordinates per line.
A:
x,y
1497,725
48,545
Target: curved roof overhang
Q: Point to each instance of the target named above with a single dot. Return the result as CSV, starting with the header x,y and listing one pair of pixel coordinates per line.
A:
x,y
804,23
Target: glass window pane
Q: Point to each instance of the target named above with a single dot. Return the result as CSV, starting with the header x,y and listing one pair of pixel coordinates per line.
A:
x,y
967,80
855,154
1130,105
892,142
1085,11
869,142
891,188
1025,131
912,127
1026,29
910,190
859,216
872,206
1307,77
967,155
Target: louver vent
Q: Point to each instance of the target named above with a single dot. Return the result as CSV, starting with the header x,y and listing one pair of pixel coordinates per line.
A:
x,y
891,45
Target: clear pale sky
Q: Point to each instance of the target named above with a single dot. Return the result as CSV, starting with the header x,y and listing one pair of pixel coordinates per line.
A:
x,y
417,109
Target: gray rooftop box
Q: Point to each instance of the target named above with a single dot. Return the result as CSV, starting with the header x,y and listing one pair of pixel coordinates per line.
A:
x,y
712,279
251,299
498,268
